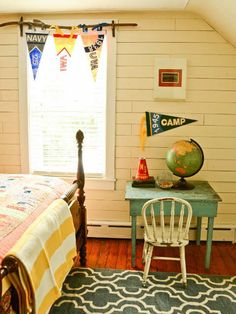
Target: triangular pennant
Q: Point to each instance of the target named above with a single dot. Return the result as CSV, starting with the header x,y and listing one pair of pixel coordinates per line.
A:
x,y
64,44
158,123
93,46
35,43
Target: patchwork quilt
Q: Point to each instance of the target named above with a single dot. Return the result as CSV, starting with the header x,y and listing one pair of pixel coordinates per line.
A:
x,y
22,199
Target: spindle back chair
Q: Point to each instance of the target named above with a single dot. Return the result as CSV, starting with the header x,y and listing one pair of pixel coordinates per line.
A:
x,y
166,224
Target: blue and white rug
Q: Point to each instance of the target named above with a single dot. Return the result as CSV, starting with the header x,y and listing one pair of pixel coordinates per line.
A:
x,y
103,291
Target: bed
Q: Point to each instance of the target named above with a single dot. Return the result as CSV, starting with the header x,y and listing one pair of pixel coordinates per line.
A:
x,y
42,229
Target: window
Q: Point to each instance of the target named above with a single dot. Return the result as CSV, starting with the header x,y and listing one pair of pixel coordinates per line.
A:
x,y
64,98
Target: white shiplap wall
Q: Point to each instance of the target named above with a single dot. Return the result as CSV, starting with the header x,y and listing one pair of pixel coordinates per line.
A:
x,y
211,99
9,107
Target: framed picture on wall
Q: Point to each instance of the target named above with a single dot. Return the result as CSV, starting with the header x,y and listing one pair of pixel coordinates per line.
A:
x,y
170,78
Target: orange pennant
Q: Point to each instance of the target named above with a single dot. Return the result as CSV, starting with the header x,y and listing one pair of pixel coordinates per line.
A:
x,y
92,42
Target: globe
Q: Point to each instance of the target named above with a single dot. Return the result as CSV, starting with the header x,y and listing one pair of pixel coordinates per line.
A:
x,y
184,159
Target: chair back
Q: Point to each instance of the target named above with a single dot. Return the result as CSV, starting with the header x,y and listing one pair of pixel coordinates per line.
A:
x,y
169,221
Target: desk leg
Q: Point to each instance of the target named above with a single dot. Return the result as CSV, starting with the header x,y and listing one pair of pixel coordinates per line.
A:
x,y
199,229
133,239
209,242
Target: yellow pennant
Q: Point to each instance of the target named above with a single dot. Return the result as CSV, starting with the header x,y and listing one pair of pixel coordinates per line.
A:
x,y
143,132
64,44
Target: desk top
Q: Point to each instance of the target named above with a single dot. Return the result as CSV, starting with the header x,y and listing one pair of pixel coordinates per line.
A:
x,y
202,192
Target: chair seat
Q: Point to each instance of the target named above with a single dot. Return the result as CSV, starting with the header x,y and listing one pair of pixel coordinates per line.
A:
x,y
166,241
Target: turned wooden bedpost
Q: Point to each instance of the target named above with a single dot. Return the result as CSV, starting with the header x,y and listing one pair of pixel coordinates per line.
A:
x,y
81,197
80,169
9,265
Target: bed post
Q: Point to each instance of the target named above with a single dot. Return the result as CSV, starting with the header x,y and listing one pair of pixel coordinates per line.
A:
x,y
81,237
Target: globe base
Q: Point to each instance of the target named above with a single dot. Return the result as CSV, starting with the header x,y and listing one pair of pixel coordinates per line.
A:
x,y
182,184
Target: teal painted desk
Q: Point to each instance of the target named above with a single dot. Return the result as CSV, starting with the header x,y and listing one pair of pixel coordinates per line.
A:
x,y
204,201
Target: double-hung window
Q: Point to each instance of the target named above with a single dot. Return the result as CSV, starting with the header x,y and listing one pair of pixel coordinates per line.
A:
x,y
63,96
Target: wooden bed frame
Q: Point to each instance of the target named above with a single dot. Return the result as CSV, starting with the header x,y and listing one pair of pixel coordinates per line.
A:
x,y
10,265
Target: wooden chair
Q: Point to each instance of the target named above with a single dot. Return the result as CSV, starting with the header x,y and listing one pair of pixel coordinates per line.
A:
x,y
166,224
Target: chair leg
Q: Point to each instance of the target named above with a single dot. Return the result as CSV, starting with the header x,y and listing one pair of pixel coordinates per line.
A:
x,y
144,254
148,259
183,265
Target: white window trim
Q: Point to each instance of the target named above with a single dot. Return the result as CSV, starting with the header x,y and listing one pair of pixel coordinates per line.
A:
x,y
107,183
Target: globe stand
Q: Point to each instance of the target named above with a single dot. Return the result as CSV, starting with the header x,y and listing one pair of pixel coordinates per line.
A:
x,y
182,184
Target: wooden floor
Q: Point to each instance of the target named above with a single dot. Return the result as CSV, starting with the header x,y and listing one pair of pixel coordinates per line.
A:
x,y
116,254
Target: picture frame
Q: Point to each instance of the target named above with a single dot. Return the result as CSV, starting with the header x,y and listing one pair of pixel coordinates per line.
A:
x,y
170,78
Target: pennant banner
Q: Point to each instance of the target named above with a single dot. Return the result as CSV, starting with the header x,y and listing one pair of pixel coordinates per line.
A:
x,y
35,43
158,123
93,46
64,44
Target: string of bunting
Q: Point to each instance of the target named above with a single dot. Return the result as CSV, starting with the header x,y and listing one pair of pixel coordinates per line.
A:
x,y
92,41
64,43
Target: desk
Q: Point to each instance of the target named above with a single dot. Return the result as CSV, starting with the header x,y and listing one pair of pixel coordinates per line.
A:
x,y
203,198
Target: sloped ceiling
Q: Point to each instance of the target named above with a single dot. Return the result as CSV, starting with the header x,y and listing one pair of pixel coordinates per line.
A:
x,y
220,14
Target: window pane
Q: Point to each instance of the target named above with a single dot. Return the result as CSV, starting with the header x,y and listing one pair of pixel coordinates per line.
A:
x,y
60,103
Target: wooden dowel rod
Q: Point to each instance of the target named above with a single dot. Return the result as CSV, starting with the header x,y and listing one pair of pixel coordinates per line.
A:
x,y
43,25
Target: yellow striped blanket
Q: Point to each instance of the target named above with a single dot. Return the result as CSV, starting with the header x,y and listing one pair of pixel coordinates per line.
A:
x,y
45,253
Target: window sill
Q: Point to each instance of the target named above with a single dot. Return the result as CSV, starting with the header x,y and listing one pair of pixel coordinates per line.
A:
x,y
95,183
90,183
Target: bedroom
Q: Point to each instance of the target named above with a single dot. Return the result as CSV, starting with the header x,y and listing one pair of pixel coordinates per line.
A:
x,y
195,31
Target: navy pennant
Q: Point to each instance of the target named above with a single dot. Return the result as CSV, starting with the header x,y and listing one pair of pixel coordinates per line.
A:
x,y
158,123
35,43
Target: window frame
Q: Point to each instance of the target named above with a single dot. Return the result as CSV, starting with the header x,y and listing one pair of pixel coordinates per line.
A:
x,y
108,181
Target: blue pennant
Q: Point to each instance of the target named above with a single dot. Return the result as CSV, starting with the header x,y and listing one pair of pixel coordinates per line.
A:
x,y
35,57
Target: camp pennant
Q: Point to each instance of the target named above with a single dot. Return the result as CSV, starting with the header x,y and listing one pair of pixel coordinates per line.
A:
x,y
92,42
64,44
158,123
35,43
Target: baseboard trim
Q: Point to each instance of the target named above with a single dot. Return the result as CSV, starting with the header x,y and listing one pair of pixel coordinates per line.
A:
x,y
122,230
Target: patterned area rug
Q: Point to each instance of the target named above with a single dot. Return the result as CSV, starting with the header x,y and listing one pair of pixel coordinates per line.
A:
x,y
102,291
